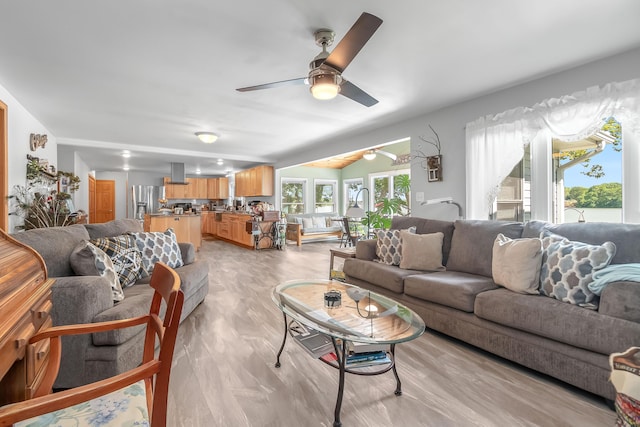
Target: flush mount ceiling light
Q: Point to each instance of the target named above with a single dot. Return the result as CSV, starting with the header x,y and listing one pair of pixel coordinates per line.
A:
x,y
207,137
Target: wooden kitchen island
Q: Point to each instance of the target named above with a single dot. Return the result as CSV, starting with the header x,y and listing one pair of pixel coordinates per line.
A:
x,y
187,226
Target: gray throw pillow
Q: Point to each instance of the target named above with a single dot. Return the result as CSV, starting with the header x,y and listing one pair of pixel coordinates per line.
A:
x,y
89,260
421,251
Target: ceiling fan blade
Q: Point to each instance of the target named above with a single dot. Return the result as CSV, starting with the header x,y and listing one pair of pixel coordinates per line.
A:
x,y
292,82
357,36
352,91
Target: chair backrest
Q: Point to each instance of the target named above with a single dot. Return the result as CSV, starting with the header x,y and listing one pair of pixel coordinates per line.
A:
x,y
154,371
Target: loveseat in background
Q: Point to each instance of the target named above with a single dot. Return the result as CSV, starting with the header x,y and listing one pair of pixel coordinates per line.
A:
x,y
566,341
314,226
88,299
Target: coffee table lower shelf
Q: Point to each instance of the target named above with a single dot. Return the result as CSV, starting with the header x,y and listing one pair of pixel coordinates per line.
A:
x,y
340,348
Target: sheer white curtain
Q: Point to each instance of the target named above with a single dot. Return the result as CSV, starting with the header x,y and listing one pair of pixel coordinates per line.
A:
x,y
494,144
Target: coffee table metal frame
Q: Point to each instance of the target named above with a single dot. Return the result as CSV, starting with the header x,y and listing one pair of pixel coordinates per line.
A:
x,y
340,337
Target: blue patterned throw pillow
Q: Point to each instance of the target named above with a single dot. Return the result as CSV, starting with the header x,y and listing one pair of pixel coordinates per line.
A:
x,y
89,260
158,247
567,268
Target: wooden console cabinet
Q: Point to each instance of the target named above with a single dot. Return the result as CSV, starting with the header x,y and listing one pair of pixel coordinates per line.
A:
x,y
25,306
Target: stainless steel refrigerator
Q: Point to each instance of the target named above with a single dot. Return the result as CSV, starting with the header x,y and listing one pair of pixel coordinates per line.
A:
x,y
145,200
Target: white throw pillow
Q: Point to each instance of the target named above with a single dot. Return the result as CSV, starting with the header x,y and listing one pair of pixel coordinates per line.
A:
x,y
307,222
422,251
319,222
516,264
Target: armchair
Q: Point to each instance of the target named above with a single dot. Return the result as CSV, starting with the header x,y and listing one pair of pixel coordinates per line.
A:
x,y
145,387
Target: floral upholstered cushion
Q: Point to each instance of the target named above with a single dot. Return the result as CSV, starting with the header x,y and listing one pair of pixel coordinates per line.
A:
x,y
567,268
89,260
389,246
125,407
125,255
158,247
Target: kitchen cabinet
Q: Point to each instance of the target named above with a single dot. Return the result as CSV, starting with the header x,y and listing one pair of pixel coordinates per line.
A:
x,y
195,188
174,191
212,188
223,188
209,223
256,181
232,227
187,228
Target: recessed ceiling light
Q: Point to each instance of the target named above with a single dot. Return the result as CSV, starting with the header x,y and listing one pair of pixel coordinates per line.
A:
x,y
198,172
207,137
220,162
125,168
126,154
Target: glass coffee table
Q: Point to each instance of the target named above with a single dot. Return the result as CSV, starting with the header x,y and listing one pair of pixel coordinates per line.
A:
x,y
346,314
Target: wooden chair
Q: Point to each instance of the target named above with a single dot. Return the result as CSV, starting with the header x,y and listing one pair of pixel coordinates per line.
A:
x,y
349,238
136,394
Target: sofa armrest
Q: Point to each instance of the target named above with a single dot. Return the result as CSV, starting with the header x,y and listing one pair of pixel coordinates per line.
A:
x,y
621,300
366,249
188,252
79,299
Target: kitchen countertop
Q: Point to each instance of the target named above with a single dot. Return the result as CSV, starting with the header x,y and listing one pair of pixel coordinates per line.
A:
x,y
172,214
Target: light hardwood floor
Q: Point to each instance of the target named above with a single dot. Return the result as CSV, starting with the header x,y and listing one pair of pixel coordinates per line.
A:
x,y
224,374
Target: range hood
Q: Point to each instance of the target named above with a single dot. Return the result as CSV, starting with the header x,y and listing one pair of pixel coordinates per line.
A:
x,y
177,174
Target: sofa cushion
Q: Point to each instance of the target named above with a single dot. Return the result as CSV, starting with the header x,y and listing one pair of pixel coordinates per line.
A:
x,y
427,226
472,242
125,255
389,247
449,288
567,268
158,247
136,303
558,321
516,264
386,276
55,245
113,228
89,260
421,251
307,222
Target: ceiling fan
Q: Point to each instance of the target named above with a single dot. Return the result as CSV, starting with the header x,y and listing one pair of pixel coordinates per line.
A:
x,y
325,75
371,154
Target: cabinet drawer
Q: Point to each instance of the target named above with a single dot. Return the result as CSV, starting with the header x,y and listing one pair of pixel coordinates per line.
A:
x,y
37,354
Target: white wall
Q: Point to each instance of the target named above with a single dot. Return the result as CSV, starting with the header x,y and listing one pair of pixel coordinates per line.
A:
x,y
450,122
21,124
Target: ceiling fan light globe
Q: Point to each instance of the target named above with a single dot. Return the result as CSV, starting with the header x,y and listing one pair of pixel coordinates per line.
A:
x,y
325,91
369,155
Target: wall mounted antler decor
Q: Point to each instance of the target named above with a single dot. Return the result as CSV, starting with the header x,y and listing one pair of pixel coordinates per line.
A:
x,y
431,164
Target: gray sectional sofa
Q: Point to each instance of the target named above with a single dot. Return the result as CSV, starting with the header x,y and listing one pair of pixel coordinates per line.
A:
x,y
563,340
88,299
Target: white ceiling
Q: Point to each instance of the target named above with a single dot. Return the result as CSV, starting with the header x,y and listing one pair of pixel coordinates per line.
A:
x,y
145,75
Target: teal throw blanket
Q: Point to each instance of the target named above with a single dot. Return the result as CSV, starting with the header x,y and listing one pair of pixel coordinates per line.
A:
x,y
614,273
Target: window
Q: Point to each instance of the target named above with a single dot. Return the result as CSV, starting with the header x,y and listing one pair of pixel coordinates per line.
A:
x,y
326,199
350,190
587,177
391,190
292,196
514,198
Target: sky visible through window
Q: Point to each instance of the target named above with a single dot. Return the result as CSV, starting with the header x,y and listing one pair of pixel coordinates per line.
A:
x,y
611,162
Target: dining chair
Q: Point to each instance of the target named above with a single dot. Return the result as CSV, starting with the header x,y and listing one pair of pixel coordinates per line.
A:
x,y
348,237
135,397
